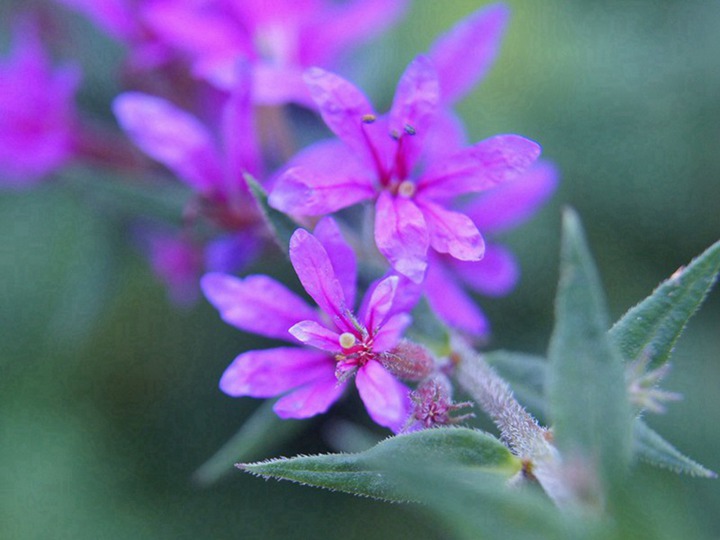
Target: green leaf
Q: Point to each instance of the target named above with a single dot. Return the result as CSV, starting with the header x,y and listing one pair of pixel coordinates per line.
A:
x,y
365,473
260,433
652,448
586,384
525,373
279,224
651,328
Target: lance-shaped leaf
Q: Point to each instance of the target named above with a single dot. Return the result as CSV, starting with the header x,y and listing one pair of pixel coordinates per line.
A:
x,y
281,226
365,473
586,385
260,433
652,448
651,328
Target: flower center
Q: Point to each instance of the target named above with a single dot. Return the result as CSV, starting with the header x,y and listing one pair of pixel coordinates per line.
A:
x,y
406,189
347,340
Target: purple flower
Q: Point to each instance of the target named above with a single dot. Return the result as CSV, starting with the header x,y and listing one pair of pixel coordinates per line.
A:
x,y
494,211
184,145
37,110
280,38
378,158
338,343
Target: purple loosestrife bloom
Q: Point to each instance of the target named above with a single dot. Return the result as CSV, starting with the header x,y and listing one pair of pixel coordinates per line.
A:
x,y
37,110
493,211
378,157
280,38
338,344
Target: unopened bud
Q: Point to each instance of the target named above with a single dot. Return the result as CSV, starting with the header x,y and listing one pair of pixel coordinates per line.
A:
x,y
409,361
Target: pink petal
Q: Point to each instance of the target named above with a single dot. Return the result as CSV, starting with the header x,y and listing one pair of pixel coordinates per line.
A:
x,y
465,53
316,335
451,232
385,398
511,203
341,256
316,273
278,84
172,137
311,399
271,372
479,167
414,108
401,235
380,302
447,137
322,179
391,332
257,304
343,107
451,303
495,275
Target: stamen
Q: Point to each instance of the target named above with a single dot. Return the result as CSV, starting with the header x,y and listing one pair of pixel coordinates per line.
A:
x,y
406,189
395,135
410,130
347,340
368,118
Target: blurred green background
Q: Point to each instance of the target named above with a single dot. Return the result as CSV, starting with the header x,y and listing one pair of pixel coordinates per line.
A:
x,y
108,394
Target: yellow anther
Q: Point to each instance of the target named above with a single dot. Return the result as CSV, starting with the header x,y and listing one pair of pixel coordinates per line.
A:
x,y
406,189
368,118
347,340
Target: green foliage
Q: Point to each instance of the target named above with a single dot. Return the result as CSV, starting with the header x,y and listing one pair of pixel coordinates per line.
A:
x,y
365,473
651,447
261,432
651,328
586,385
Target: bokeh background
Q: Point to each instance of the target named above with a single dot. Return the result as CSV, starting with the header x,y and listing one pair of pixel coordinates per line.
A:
x,y
108,393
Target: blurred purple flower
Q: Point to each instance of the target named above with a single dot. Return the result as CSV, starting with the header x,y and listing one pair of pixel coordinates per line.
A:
x,y
280,38
376,158
494,211
37,110
339,344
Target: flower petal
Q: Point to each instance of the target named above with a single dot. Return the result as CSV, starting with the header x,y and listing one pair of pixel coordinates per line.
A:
x,y
511,203
451,303
311,399
386,399
271,372
390,333
463,55
257,304
322,179
315,271
401,235
343,107
479,167
495,275
380,303
341,256
171,136
452,233
414,108
316,335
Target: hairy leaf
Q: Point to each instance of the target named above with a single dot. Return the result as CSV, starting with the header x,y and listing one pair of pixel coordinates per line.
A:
x,y
586,384
652,448
365,473
650,329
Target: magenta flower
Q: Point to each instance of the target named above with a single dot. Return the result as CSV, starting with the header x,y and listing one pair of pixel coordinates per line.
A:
x,y
280,38
37,110
184,145
338,344
377,158
494,211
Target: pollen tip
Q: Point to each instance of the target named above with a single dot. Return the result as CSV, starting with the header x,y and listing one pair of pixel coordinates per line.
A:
x,y
346,340
394,134
410,130
368,118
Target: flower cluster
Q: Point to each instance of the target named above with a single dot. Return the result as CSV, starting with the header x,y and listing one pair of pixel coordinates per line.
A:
x,y
207,102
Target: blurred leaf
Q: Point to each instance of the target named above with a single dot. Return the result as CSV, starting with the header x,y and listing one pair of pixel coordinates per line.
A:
x,y
279,224
364,473
652,327
586,385
524,372
263,431
652,448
